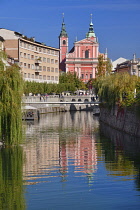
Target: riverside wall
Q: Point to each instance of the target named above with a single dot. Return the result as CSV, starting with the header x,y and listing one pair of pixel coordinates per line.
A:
x,y
43,109
46,108
122,119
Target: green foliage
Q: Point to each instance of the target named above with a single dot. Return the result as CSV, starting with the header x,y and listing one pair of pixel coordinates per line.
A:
x,y
68,82
101,67
104,67
117,88
11,90
11,178
70,78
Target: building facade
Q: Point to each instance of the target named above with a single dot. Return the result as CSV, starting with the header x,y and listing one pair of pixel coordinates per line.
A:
x,y
38,62
130,66
83,57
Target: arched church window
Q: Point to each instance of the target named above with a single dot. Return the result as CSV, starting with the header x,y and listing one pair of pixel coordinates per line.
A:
x,y
86,54
64,41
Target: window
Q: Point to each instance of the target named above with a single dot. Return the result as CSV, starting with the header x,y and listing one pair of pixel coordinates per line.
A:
x,y
86,54
52,77
56,52
86,76
40,68
32,76
32,47
21,43
24,55
28,75
29,66
25,45
90,76
32,57
40,76
21,54
52,52
48,77
56,61
48,60
52,69
21,64
40,50
52,60
44,68
32,66
28,56
44,77
48,51
48,69
56,70
44,50
64,42
56,78
25,65
44,59
82,76
25,75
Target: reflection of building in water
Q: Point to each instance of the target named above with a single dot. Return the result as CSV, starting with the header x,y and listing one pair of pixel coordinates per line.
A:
x,y
57,139
86,155
42,155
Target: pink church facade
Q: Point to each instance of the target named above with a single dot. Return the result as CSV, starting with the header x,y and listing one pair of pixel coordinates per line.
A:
x,y
83,57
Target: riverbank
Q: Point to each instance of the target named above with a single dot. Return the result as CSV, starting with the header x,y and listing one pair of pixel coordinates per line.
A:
x,y
123,119
43,109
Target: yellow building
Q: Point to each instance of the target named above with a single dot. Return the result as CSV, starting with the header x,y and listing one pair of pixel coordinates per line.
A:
x,y
38,62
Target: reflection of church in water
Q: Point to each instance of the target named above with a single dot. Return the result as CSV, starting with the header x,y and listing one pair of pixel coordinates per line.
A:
x,y
50,149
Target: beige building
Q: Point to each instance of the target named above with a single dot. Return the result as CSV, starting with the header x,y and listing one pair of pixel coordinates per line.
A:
x,y
38,62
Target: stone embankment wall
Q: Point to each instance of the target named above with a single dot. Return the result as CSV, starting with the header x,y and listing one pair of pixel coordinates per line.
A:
x,y
123,119
62,108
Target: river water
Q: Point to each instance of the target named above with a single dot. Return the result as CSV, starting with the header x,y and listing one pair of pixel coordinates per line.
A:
x,y
71,161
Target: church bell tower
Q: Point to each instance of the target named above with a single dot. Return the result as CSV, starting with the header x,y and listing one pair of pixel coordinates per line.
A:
x,y
63,46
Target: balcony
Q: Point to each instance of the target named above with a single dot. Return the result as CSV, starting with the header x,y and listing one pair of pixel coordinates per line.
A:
x,y
37,69
37,62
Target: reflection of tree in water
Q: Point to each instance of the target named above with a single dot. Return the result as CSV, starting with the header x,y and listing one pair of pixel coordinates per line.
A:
x,y
121,153
11,185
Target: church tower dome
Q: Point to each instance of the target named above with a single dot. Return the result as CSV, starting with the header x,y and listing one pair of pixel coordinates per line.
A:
x,y
90,33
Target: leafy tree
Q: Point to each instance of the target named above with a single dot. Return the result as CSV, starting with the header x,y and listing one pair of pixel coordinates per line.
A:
x,y
117,88
11,91
101,67
71,78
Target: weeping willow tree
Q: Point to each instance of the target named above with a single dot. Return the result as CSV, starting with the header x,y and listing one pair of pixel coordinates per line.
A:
x,y
11,90
117,88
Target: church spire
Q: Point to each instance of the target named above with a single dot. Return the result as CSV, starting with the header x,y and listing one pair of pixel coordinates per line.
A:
x,y
91,30
63,32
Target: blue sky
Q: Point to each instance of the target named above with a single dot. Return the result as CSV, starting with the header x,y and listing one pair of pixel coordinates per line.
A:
x,y
116,22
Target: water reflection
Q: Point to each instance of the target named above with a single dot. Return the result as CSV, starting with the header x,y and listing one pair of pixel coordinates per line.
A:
x,y
60,140
122,153
11,172
70,164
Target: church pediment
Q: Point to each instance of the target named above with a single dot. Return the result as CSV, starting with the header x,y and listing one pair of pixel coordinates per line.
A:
x,y
87,41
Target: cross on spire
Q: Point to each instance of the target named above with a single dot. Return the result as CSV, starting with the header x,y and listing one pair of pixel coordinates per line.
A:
x,y
91,17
